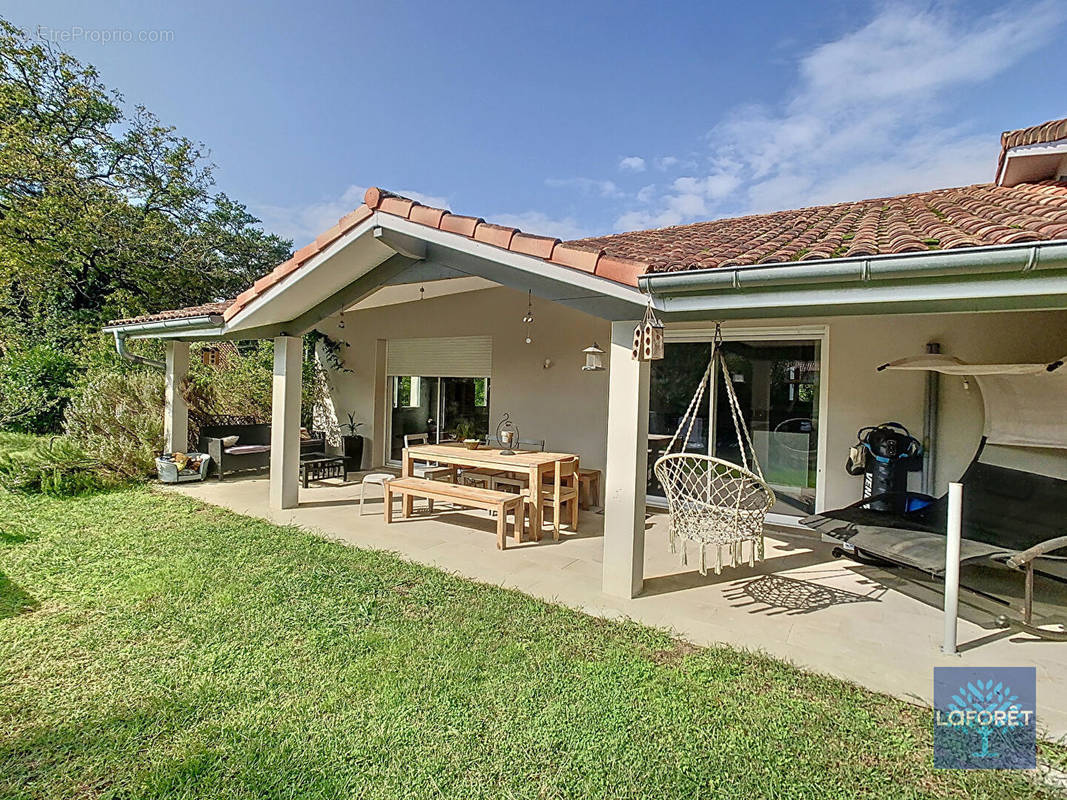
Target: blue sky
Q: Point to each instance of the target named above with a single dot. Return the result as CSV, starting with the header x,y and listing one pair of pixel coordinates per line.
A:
x,y
577,118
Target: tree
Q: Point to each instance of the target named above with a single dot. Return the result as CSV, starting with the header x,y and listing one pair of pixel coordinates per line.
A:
x,y
102,213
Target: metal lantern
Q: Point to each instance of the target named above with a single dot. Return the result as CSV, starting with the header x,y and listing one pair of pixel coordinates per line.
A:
x,y
507,433
648,337
594,358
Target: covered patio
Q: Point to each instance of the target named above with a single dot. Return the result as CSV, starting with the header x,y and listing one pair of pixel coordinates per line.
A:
x,y
422,306
413,295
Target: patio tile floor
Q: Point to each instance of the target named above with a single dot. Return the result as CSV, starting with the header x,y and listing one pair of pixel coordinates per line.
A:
x,y
800,604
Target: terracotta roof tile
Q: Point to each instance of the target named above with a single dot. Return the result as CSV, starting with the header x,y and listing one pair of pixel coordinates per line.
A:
x,y
539,246
427,215
464,226
206,309
945,219
577,256
1051,131
497,235
396,205
353,218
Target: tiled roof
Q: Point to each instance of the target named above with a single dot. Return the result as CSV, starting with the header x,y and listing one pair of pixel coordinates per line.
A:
x,y
1051,131
587,259
945,219
189,312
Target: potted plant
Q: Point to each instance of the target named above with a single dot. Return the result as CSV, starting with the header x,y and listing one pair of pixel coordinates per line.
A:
x,y
466,432
352,444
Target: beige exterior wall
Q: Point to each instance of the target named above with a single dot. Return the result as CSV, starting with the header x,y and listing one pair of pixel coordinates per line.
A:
x,y
561,404
568,407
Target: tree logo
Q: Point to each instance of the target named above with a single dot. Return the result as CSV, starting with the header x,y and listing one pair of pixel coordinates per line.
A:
x,y
985,718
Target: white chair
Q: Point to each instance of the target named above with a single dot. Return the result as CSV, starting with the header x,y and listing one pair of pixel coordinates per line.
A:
x,y
375,479
425,469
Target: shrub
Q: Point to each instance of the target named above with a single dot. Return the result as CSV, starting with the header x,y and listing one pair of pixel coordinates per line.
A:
x,y
242,385
55,466
117,418
34,387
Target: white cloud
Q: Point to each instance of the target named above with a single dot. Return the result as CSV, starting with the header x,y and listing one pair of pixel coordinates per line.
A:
x,y
539,223
302,223
606,189
666,162
870,116
632,164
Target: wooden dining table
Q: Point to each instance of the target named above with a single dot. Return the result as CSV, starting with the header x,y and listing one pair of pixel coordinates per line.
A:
x,y
534,463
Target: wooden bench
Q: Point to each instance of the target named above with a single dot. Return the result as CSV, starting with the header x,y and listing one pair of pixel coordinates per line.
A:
x,y
469,496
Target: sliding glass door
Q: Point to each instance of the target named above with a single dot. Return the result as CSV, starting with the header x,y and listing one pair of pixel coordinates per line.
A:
x,y
777,385
443,408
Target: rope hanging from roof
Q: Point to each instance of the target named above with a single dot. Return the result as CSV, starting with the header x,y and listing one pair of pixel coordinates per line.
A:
x,y
712,502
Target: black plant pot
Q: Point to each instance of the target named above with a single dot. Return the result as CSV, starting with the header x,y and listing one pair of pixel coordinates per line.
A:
x,y
352,449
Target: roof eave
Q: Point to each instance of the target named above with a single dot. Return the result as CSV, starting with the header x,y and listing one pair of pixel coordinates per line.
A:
x,y
167,328
910,281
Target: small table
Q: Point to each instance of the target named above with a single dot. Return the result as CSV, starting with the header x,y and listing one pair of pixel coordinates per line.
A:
x,y
318,467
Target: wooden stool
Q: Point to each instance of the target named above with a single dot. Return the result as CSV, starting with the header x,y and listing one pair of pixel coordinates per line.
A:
x,y
588,488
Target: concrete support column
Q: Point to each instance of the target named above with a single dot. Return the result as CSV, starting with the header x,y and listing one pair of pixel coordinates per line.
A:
x,y
627,465
175,411
285,424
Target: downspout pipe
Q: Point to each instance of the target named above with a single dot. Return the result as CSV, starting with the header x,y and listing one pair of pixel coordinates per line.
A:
x,y
163,328
1024,258
120,348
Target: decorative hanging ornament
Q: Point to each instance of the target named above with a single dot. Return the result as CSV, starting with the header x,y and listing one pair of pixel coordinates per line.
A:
x,y
507,433
594,358
528,318
648,337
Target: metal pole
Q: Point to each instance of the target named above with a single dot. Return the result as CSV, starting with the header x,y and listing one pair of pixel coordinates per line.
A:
x,y
933,387
952,564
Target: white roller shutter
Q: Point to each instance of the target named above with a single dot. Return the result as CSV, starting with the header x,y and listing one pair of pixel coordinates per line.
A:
x,y
455,357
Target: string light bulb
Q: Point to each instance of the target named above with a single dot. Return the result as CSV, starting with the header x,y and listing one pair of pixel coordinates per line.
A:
x,y
529,317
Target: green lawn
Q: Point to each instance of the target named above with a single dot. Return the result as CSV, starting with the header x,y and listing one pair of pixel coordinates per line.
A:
x,y
151,646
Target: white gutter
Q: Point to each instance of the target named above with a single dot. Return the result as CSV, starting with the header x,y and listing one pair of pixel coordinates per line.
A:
x,y
745,282
167,325
161,326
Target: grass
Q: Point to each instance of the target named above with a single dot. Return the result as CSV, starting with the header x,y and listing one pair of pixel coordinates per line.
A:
x,y
152,646
17,442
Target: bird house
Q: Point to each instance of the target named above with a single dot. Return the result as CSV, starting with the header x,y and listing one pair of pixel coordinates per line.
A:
x,y
594,358
648,338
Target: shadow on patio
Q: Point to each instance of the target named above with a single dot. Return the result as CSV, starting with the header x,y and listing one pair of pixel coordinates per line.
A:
x,y
777,594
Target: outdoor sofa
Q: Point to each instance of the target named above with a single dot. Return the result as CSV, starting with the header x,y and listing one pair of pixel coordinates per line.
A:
x,y
250,451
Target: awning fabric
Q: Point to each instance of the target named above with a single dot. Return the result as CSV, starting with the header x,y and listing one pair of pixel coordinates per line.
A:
x,y
1025,404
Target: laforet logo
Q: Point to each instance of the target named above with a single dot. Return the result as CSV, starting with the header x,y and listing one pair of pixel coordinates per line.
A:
x,y
985,718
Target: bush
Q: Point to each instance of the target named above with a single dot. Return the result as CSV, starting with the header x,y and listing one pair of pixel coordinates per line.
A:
x,y
242,385
35,383
117,419
55,466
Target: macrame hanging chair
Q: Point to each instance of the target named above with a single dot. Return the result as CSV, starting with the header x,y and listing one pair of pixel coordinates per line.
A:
x,y
713,503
